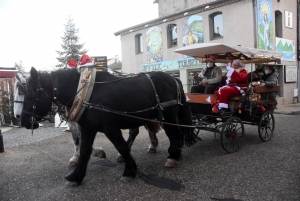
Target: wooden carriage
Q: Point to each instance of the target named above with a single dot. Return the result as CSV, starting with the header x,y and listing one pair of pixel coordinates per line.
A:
x,y
246,109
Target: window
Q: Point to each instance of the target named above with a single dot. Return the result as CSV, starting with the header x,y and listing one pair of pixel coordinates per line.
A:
x,y
172,35
288,19
278,24
138,43
216,25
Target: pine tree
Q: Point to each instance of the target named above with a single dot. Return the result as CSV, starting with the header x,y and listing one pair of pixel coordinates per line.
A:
x,y
71,47
20,67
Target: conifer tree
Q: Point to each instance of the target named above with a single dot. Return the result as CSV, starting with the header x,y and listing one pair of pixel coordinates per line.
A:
x,y
20,67
70,47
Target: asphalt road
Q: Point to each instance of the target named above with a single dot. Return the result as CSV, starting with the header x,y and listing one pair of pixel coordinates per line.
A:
x,y
33,168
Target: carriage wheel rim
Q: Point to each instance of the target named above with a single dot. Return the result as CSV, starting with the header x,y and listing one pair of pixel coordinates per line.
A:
x,y
232,132
266,126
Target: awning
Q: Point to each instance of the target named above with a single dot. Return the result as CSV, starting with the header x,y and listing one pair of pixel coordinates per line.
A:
x,y
226,53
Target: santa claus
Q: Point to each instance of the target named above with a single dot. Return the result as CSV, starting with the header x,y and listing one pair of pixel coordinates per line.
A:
x,y
237,77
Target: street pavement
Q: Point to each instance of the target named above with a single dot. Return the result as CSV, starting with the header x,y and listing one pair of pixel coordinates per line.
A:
x,y
33,166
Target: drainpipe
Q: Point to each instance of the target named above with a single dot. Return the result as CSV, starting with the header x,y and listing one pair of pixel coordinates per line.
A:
x,y
255,22
298,53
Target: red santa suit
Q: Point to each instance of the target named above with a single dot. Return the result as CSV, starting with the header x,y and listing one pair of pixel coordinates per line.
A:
x,y
236,78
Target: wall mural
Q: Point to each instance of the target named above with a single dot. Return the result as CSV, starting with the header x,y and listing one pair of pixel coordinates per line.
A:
x,y
287,48
154,45
192,30
265,25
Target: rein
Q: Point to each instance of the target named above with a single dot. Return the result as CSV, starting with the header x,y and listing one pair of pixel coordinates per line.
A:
x,y
98,107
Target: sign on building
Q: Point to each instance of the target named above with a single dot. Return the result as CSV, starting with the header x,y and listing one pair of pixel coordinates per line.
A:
x,y
290,74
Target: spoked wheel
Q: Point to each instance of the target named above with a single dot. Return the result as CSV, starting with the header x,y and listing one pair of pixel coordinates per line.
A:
x,y
232,134
266,126
195,120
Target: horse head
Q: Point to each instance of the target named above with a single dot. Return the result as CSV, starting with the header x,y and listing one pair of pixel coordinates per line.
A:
x,y
19,93
38,99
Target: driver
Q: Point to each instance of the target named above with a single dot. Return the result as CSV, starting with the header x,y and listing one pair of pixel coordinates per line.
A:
x,y
209,78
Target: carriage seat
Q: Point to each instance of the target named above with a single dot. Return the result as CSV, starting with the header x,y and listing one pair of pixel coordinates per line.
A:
x,y
264,89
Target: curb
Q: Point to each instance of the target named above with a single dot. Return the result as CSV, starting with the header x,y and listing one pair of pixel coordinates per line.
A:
x,y
288,113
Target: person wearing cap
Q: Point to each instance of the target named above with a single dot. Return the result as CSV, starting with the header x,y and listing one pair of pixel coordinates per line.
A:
x,y
209,78
270,80
237,77
257,74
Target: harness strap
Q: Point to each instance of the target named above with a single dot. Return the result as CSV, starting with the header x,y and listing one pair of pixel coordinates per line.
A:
x,y
93,106
159,105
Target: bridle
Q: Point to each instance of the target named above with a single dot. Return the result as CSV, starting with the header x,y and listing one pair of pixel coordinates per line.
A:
x,y
34,116
21,91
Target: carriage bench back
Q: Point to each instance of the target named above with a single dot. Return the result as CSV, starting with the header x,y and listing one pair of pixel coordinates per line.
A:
x,y
264,89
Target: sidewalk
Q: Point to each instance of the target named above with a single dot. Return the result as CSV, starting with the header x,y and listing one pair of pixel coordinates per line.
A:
x,y
5,128
290,109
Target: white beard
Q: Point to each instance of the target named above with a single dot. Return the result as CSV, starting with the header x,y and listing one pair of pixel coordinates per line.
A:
x,y
238,70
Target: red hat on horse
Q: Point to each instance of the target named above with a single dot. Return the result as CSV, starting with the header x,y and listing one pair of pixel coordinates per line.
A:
x,y
72,63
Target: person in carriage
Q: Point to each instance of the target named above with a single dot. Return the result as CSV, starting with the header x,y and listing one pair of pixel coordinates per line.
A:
x,y
209,78
237,79
270,80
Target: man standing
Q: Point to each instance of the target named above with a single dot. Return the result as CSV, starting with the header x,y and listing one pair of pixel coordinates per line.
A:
x,y
209,78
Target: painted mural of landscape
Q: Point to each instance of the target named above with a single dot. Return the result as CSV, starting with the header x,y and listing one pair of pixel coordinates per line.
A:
x,y
287,47
192,30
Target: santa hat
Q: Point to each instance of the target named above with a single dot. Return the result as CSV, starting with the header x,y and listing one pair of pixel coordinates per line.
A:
x,y
212,58
85,60
72,63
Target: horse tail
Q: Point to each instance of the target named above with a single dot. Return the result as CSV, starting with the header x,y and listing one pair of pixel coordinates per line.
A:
x,y
185,118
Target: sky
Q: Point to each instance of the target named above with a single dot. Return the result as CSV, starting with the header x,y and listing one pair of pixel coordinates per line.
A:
x,y
31,30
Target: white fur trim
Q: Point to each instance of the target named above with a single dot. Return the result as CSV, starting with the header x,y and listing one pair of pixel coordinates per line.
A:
x,y
242,92
230,71
87,64
223,105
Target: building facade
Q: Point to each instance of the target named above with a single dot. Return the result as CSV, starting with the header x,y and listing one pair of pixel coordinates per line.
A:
x,y
262,24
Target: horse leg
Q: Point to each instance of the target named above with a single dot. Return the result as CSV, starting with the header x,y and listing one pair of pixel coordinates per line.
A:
x,y
76,138
153,139
173,133
76,134
87,140
116,137
133,132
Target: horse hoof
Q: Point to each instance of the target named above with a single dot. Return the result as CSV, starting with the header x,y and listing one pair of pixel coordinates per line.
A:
x,y
120,159
126,179
99,152
171,163
151,150
72,164
69,184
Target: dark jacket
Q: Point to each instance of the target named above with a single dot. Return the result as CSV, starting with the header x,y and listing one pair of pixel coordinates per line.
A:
x,y
270,80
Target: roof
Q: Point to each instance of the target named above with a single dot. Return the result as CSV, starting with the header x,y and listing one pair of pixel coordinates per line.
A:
x,y
8,69
226,53
115,66
174,16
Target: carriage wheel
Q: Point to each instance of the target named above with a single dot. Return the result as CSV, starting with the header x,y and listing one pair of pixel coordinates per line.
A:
x,y
266,126
232,134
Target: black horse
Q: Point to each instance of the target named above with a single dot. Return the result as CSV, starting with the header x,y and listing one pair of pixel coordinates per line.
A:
x,y
147,96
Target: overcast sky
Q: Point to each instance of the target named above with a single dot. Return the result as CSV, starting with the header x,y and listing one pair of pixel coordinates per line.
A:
x,y
31,30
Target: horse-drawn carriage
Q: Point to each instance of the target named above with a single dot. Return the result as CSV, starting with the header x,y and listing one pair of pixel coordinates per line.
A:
x,y
121,103
245,110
